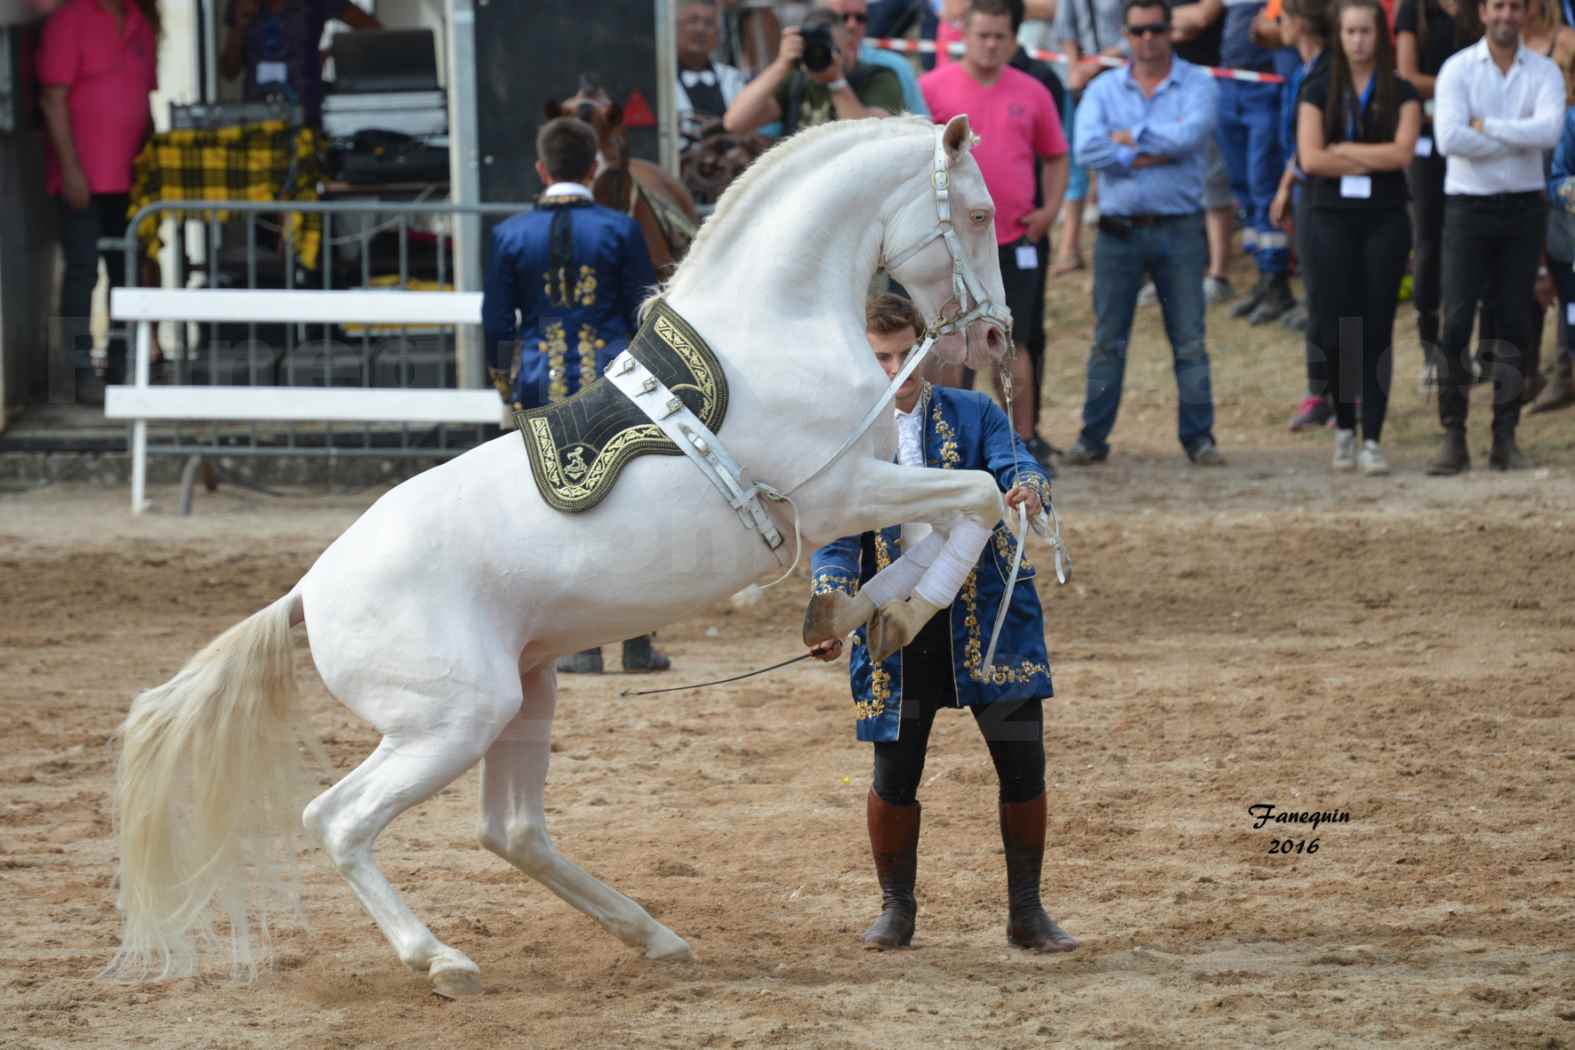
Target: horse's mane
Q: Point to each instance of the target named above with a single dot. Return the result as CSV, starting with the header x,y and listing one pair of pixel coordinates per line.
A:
x,y
774,161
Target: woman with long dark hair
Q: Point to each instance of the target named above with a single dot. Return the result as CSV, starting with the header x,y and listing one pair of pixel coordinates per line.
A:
x,y
1427,32
1356,133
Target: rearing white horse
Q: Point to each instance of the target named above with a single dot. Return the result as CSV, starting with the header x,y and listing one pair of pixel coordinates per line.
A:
x,y
437,615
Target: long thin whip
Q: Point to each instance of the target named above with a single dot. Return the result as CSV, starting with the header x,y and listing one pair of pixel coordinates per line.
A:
x,y
719,681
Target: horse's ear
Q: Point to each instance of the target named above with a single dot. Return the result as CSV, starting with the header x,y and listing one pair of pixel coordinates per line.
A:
x,y
957,138
552,109
614,115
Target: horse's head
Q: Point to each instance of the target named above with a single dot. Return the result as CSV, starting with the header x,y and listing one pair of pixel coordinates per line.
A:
x,y
940,245
592,104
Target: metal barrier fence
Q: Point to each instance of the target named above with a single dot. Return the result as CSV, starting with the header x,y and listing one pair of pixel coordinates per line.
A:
x,y
257,245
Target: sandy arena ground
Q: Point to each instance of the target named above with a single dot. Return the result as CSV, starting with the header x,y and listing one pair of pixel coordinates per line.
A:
x,y
1398,649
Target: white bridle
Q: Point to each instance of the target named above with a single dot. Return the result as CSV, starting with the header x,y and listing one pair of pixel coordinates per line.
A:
x,y
965,285
965,282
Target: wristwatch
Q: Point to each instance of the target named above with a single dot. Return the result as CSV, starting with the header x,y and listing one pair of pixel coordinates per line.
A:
x,y
837,85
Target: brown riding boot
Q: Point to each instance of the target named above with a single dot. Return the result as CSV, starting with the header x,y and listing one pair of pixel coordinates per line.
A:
x,y
894,842
1023,835
1453,455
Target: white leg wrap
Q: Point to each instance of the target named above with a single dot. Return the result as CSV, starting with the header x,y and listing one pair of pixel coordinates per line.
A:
x,y
897,580
942,581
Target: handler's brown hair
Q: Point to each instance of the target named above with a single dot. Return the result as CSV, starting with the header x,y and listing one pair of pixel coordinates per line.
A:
x,y
567,147
887,313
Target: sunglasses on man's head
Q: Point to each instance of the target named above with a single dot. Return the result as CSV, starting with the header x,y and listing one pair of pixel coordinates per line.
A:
x,y
1152,29
860,17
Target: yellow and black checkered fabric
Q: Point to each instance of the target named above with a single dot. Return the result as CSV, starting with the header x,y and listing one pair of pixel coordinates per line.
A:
x,y
268,161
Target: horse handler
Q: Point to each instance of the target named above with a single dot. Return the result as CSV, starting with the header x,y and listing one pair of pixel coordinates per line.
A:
x,y
562,299
896,702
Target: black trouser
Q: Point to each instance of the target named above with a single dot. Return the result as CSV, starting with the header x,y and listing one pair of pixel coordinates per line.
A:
x,y
1358,256
1563,272
1034,339
1426,180
1492,245
1014,732
1317,374
105,216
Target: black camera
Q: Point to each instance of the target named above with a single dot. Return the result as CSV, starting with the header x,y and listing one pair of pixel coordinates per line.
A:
x,y
819,48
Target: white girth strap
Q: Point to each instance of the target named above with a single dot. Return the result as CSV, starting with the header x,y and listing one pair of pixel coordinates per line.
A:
x,y
704,449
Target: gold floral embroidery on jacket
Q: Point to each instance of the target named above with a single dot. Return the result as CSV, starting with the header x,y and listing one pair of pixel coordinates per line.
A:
x,y
973,651
880,689
943,430
556,347
825,582
582,294
1006,547
882,552
589,344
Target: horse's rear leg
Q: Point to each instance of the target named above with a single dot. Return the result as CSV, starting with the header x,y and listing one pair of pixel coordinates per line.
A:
x,y
348,817
514,824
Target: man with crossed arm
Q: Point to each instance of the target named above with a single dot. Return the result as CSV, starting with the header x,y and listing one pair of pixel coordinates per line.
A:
x,y
1142,128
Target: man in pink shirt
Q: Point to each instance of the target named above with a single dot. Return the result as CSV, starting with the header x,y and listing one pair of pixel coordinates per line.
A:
x,y
97,64
1017,123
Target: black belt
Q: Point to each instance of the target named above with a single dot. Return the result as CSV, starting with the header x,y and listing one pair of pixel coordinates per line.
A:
x,y
1123,225
1489,200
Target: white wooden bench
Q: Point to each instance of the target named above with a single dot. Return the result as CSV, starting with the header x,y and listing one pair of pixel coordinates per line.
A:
x,y
141,402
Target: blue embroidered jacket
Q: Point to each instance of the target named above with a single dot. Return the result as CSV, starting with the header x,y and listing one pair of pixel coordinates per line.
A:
x,y
562,292
963,430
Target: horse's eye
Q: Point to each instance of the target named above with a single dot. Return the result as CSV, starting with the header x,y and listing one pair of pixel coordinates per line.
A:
x,y
979,216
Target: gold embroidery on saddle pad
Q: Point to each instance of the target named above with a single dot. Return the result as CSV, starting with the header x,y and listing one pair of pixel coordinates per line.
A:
x,y
577,447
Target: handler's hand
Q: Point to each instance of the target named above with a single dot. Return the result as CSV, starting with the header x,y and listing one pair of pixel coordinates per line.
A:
x,y
827,651
1026,496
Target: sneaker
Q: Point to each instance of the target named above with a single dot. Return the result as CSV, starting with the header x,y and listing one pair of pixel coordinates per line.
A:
x,y
1206,454
1217,290
1254,297
1345,450
1371,460
1312,412
1276,302
1149,295
1080,455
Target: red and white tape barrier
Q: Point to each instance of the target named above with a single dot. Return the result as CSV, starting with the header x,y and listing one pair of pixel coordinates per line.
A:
x,y
926,47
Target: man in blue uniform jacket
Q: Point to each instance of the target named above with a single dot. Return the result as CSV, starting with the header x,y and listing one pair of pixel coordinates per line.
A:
x,y
566,279
562,298
896,702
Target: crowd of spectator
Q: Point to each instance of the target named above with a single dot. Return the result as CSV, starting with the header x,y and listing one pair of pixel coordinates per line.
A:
x,y
1377,150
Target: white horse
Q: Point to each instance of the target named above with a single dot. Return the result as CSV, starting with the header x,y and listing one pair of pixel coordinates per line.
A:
x,y
437,615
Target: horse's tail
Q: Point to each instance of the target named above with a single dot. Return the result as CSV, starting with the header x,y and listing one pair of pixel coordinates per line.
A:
x,y
207,793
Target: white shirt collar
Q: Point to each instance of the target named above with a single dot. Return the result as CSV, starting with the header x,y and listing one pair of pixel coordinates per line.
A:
x,y
1485,55
569,189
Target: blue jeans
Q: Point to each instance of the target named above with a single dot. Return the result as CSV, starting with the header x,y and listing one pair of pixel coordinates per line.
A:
x,y
1077,175
1175,253
1249,136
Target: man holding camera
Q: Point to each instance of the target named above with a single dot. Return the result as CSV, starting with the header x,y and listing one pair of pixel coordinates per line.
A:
x,y
816,78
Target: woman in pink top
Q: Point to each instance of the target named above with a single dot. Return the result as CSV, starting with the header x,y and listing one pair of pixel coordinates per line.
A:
x,y
97,65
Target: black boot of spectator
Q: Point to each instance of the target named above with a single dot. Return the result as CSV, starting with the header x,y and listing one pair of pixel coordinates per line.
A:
x,y
586,661
640,655
1506,455
1254,296
1453,456
1276,302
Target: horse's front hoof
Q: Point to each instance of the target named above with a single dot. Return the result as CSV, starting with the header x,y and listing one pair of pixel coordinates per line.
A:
x,y
669,947
832,615
897,624
455,976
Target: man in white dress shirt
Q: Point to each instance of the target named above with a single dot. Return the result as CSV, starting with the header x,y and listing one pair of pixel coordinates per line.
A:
x,y
1498,106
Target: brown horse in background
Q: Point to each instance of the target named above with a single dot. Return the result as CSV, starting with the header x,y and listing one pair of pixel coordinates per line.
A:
x,y
656,200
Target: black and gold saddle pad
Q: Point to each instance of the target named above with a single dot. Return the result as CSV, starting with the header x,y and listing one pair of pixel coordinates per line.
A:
x,y
578,446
